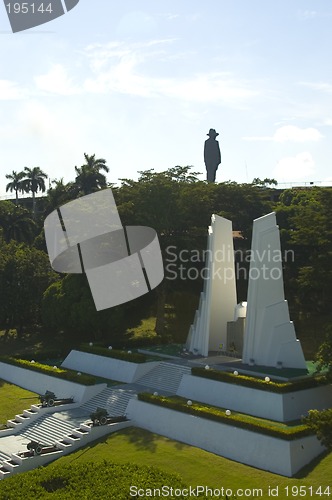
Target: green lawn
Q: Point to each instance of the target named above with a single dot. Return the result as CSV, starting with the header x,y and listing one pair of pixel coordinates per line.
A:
x,y
195,466
14,400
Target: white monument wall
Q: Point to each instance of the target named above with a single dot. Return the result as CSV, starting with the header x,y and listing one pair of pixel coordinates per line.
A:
x,y
269,334
250,448
264,404
218,299
103,366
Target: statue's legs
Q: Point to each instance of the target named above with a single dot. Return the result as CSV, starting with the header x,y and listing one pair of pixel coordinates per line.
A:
x,y
211,171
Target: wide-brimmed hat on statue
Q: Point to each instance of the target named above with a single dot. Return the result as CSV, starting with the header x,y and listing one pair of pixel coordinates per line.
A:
x,y
212,133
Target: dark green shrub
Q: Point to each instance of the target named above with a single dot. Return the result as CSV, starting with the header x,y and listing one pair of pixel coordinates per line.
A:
x,y
102,480
259,383
62,373
132,357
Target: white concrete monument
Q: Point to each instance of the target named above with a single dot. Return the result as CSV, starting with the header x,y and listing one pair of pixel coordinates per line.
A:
x,y
270,338
218,299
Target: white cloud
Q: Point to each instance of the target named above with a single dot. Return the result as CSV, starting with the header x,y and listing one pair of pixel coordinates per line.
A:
x,y
290,133
10,91
295,168
124,78
296,134
170,17
320,86
118,68
307,14
56,81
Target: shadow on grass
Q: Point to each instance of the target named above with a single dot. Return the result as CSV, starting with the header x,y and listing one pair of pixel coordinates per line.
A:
x,y
141,439
145,440
310,467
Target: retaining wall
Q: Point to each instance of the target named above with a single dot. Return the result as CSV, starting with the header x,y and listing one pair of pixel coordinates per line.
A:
x,y
103,366
250,448
39,383
264,404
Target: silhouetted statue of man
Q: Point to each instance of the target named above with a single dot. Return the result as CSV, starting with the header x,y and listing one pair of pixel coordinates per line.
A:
x,y
211,155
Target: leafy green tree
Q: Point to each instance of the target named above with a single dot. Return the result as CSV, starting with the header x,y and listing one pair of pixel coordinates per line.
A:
x,y
58,194
242,203
16,223
265,182
34,181
25,273
155,200
15,183
68,305
89,177
305,218
324,354
321,423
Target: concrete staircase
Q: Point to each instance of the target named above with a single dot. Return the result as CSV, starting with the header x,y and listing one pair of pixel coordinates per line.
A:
x,y
50,428
114,400
64,429
3,457
24,418
6,465
165,377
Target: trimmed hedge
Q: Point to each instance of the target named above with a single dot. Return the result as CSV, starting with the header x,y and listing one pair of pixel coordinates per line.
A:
x,y
260,383
62,373
240,420
132,357
42,354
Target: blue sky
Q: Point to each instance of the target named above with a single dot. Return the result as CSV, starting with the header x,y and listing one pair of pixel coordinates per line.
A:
x,y
140,83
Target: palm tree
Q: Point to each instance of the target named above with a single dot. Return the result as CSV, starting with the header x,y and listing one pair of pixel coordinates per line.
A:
x,y
15,184
34,181
58,194
89,178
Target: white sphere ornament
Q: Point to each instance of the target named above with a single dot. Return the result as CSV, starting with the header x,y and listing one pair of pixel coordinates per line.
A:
x,y
207,367
110,347
90,344
129,352
79,373
32,361
155,393
228,412
55,367
267,379
189,402
236,372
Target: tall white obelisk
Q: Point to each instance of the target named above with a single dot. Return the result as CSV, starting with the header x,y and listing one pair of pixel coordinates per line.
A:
x,y
218,299
270,338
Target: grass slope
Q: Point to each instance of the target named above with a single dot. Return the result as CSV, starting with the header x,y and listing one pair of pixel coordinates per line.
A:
x,y
195,466
13,401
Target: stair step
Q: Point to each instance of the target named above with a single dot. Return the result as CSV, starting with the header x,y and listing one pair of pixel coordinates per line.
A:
x,y
4,457
115,401
165,376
